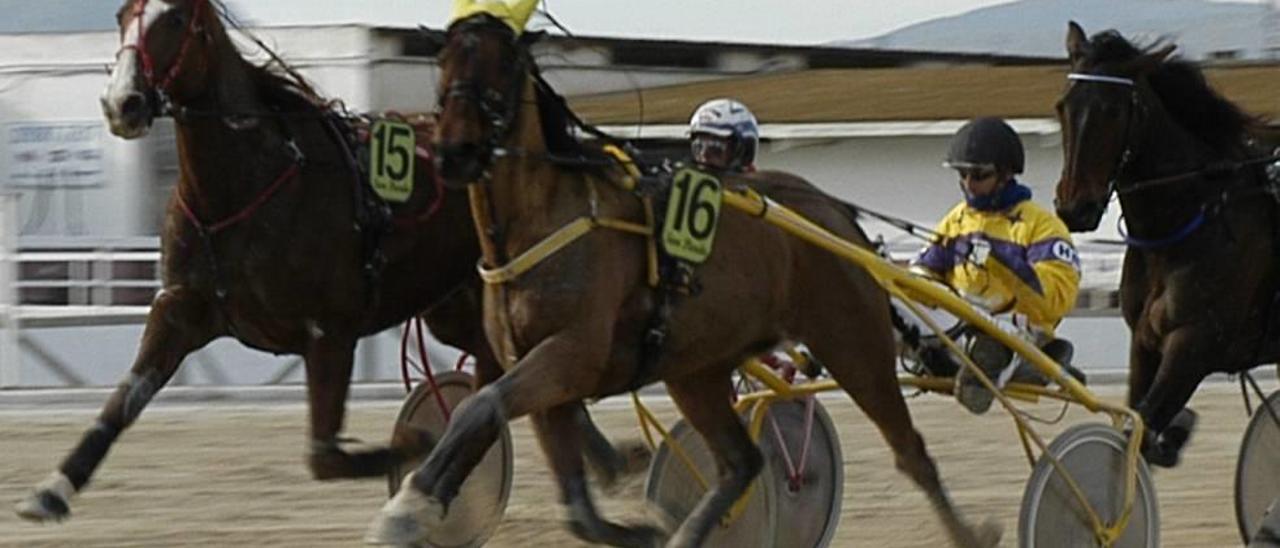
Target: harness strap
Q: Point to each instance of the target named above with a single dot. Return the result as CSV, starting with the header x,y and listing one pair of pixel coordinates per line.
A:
x,y
555,242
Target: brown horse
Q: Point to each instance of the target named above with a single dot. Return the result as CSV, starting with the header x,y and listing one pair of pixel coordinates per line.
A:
x,y
264,241
573,326
1200,276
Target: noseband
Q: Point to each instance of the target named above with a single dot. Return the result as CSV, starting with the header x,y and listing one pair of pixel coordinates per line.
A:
x,y
159,91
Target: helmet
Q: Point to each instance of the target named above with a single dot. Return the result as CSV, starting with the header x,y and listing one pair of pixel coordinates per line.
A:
x,y
986,142
732,125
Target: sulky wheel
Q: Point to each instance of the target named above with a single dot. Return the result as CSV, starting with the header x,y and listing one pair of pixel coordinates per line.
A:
x,y
673,491
1258,468
802,448
477,511
1094,456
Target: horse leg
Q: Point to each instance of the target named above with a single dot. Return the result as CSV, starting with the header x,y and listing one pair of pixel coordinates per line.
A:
x,y
560,436
563,368
610,464
179,322
329,363
738,460
1182,368
864,367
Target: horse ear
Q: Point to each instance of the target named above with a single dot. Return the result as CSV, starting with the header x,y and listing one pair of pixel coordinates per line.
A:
x,y
532,37
1149,61
521,11
1076,42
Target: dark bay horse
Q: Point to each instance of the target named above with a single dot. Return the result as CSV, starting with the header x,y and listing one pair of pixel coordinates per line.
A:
x,y
1200,276
262,241
572,327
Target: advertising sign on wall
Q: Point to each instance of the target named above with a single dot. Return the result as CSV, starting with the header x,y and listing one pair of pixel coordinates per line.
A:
x,y
54,154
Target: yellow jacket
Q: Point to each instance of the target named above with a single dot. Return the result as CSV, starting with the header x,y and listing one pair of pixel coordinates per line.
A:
x,y
1032,268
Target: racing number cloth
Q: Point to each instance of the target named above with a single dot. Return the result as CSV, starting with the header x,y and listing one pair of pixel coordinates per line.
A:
x,y
391,160
1032,267
693,214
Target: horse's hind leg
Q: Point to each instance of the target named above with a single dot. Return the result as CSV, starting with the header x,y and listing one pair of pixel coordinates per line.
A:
x,y
179,322
704,403
864,366
329,363
560,435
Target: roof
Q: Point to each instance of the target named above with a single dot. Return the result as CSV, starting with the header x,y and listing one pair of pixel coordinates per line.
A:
x,y
894,95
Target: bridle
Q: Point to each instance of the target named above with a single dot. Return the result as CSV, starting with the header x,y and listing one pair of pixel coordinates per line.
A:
x,y
158,91
1137,110
498,110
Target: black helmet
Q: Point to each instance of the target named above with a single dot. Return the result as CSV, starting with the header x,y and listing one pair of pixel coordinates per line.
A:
x,y
986,141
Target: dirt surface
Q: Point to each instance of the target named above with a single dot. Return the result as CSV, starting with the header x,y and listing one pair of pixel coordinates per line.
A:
x,y
234,476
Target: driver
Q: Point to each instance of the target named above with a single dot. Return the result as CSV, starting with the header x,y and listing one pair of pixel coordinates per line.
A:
x,y
1004,253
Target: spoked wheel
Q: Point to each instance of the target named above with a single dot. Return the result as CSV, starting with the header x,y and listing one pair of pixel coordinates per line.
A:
x,y
802,448
1258,468
1094,456
477,511
672,491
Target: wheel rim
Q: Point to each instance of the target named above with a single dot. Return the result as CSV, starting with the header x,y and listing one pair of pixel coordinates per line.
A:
x,y
1094,456
1258,469
672,492
808,510
478,508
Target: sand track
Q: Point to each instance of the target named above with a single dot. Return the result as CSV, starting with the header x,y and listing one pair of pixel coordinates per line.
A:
x,y
234,476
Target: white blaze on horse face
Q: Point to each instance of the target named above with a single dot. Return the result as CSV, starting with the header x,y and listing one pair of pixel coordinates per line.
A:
x,y
125,76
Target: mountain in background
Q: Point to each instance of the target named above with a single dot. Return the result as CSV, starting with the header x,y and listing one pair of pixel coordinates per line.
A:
x,y
1201,29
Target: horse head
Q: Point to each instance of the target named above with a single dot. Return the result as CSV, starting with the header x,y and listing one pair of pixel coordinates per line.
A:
x,y
165,51
484,67
1102,114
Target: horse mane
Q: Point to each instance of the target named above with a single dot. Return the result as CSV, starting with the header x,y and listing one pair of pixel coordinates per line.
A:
x,y
278,83
1184,92
282,87
559,122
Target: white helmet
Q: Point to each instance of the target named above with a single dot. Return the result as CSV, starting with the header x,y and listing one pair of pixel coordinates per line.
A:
x,y
734,126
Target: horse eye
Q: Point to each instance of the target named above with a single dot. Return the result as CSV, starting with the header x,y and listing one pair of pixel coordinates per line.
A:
x,y
178,20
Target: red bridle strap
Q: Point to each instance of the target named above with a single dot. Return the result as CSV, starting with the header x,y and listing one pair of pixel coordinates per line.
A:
x,y
140,46
248,211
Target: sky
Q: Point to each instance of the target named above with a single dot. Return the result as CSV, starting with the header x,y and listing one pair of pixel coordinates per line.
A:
x,y
767,21
772,21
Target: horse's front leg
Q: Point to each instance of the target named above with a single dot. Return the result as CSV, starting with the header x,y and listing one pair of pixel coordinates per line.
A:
x,y
562,369
329,363
179,322
1185,360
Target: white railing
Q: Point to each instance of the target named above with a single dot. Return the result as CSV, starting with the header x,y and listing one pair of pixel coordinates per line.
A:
x,y
10,370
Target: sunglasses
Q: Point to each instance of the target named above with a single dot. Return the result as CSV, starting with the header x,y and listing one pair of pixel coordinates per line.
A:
x,y
976,173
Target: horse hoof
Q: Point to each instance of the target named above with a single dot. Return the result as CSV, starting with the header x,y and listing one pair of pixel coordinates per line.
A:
x,y
406,518
1178,433
43,506
988,534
